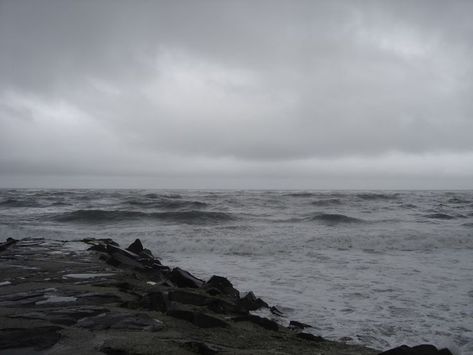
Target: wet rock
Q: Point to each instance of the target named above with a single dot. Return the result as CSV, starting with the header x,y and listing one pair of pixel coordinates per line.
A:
x,y
39,338
66,316
199,319
125,257
136,247
127,321
183,278
224,307
99,245
276,311
423,349
293,324
202,348
223,285
310,337
186,297
21,299
158,301
251,302
263,322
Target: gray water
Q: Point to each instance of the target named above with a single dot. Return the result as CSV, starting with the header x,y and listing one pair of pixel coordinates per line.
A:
x,y
378,268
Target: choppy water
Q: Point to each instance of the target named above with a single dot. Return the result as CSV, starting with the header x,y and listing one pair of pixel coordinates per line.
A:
x,y
380,267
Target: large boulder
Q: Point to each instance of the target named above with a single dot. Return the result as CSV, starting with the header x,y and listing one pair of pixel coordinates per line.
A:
x,y
136,247
183,278
223,286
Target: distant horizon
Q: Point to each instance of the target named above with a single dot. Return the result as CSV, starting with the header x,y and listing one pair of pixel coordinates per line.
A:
x,y
112,183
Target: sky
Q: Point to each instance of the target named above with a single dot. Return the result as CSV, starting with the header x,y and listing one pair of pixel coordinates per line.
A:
x,y
236,94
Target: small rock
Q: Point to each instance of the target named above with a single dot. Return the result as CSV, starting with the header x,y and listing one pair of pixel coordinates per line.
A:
x,y
251,303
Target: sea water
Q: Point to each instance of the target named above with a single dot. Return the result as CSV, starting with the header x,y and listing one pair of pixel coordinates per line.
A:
x,y
379,268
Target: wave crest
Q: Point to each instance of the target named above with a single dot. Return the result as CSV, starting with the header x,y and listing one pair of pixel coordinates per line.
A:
x,y
98,216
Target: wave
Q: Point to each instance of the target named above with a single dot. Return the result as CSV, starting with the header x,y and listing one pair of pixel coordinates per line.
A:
x,y
374,196
98,216
327,202
12,202
335,218
171,204
300,194
439,216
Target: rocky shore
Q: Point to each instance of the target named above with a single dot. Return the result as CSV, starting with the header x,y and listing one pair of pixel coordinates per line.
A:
x,y
94,297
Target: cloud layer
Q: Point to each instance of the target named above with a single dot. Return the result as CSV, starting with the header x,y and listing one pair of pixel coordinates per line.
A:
x,y
193,94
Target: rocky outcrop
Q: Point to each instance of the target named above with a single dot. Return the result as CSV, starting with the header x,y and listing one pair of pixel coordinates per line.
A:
x,y
424,349
115,300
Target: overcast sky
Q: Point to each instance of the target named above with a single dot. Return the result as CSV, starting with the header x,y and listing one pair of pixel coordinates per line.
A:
x,y
237,94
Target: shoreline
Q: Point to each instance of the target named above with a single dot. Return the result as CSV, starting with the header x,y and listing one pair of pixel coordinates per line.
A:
x,y
94,297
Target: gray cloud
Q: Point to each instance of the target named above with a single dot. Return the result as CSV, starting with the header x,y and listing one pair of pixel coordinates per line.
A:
x,y
242,89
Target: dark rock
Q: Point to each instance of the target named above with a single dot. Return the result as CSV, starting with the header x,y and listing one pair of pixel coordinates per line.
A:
x,y
125,257
201,348
423,349
263,322
199,319
65,316
276,311
186,297
39,337
400,350
158,301
293,324
444,352
183,278
310,337
21,299
224,307
128,321
251,303
136,247
223,285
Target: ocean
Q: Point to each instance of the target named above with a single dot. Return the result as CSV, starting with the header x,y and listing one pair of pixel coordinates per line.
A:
x,y
379,268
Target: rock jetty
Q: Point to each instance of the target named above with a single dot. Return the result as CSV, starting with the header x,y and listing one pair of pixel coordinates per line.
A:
x,y
94,297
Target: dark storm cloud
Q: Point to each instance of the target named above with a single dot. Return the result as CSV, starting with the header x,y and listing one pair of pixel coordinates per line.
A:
x,y
236,88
